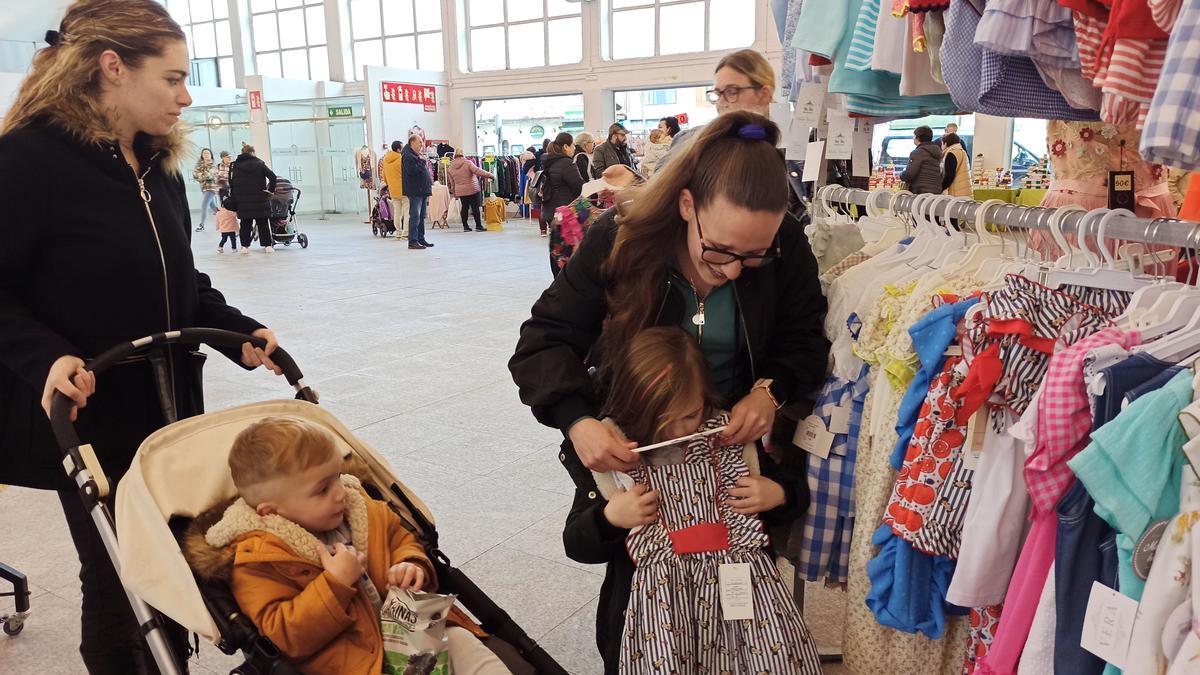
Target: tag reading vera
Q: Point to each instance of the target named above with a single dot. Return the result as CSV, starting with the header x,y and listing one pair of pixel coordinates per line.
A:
x,y
737,591
811,436
1108,624
1121,190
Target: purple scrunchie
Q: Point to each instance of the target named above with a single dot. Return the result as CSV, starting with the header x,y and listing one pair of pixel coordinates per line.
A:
x,y
754,132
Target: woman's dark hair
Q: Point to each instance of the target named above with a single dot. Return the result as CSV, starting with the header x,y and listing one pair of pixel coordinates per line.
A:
x,y
923,134
656,381
561,141
672,125
397,146
950,139
545,144
200,159
733,157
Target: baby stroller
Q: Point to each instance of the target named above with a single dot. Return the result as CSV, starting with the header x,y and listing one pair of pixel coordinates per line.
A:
x,y
180,471
382,223
283,214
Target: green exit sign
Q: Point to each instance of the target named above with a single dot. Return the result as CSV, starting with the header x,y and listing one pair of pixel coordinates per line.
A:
x,y
341,111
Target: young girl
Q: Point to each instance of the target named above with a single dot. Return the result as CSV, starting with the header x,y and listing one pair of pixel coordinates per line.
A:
x,y
227,225
690,512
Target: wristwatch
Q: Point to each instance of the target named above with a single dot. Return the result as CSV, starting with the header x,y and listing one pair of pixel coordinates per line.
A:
x,y
765,385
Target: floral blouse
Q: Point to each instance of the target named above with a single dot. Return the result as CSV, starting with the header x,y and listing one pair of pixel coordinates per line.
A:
x,y
1087,151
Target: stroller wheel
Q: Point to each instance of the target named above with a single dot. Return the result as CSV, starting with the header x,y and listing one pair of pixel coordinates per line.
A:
x,y
374,230
13,625
303,239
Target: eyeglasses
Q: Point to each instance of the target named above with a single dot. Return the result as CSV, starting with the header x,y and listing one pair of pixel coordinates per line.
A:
x,y
730,93
720,256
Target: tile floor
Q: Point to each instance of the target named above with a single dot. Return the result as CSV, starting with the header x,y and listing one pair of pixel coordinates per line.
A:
x,y
409,349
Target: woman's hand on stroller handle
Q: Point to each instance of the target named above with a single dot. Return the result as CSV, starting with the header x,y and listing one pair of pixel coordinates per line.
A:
x,y
69,375
253,357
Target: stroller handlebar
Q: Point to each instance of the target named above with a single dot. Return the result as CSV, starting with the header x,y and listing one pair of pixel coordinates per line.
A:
x,y
60,406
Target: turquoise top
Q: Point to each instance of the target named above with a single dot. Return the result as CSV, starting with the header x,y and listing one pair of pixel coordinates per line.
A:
x,y
718,336
1133,469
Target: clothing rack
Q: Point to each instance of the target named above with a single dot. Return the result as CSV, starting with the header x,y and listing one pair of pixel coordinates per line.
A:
x,y
1176,232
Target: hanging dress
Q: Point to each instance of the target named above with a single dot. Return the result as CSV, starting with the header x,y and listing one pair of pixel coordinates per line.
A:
x,y
674,621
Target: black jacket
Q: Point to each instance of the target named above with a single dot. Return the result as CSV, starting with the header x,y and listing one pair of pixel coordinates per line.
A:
x,y
77,281
248,178
417,182
562,183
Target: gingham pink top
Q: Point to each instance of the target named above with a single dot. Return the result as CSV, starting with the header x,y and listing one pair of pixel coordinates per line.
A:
x,y
1064,419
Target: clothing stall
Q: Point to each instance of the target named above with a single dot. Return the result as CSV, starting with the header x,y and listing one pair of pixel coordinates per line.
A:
x,y
1003,440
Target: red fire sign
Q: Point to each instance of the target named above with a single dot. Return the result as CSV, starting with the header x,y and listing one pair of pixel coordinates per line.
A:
x,y
417,94
256,100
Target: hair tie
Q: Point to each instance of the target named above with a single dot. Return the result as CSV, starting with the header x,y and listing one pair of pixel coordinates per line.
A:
x,y
657,378
754,132
52,38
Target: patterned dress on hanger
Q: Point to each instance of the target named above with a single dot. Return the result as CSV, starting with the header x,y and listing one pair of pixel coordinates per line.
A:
x,y
674,621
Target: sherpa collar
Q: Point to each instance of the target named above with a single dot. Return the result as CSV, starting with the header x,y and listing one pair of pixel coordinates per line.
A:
x,y
240,519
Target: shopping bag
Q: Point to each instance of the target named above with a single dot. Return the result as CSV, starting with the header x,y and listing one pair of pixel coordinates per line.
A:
x,y
414,633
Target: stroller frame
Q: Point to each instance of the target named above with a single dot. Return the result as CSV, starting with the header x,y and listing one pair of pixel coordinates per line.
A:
x,y
236,630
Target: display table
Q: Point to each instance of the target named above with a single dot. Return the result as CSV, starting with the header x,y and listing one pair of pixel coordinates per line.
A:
x,y
1031,196
1003,194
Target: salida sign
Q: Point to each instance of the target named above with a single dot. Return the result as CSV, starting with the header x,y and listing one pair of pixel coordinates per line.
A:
x,y
416,94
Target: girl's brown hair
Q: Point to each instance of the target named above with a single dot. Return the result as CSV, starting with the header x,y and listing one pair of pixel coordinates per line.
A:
x,y
656,381
64,81
734,157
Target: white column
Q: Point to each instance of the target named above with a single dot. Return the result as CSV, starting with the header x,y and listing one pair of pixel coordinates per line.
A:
x,y
256,103
993,138
242,38
599,110
338,37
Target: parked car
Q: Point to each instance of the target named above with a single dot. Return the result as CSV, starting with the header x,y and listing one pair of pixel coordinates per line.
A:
x,y
897,147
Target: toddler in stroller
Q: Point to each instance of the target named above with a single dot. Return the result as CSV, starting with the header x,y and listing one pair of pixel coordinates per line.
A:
x,y
382,223
310,555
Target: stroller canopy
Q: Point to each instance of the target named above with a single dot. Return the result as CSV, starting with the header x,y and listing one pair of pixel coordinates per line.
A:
x,y
183,470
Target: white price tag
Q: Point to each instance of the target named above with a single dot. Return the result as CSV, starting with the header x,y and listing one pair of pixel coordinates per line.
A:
x,y
813,157
861,155
737,591
797,140
812,437
973,443
839,420
810,103
841,136
781,115
1108,624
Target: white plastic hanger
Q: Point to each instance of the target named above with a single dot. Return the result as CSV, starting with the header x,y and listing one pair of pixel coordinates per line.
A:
x,y
1145,297
1104,274
956,249
984,258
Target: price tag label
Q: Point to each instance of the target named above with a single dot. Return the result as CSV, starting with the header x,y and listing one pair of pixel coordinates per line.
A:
x,y
841,136
839,420
813,158
973,443
737,591
812,437
1108,624
810,103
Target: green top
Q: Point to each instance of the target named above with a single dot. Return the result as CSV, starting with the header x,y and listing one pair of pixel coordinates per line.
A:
x,y
718,336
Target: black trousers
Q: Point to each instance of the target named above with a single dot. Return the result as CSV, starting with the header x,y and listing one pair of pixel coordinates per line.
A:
x,y
264,231
470,202
110,641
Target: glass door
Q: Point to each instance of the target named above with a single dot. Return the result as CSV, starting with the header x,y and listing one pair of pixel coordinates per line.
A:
x,y
346,137
294,156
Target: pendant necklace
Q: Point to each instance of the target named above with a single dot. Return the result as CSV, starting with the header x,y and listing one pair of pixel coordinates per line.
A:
x,y
698,317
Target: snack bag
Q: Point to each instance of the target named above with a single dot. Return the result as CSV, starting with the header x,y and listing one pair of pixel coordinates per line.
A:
x,y
414,633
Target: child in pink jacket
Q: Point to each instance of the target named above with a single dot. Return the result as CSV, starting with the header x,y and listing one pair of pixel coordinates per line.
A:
x,y
227,225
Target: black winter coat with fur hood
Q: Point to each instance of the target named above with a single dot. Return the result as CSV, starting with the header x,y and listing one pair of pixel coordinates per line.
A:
x,y
80,275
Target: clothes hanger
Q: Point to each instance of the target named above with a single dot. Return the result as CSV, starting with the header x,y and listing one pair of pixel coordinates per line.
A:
x,y
1065,273
1184,311
989,249
929,237
1067,260
1145,297
1104,273
956,249
1023,264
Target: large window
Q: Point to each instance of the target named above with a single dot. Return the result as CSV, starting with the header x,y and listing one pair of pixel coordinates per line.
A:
x,y
206,24
641,28
506,34
289,39
397,34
